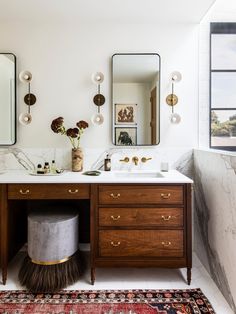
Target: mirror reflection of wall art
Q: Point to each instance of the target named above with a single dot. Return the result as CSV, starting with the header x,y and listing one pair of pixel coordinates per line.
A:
x,y
125,113
126,136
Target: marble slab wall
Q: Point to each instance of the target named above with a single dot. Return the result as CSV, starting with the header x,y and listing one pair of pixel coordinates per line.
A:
x,y
215,218
28,158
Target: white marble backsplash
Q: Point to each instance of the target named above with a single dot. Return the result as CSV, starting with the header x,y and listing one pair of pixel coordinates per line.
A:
x,y
18,158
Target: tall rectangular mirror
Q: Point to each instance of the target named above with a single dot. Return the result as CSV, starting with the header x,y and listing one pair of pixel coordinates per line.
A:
x,y
136,99
7,99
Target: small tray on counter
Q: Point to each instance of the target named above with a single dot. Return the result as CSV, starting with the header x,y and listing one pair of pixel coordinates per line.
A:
x,y
34,173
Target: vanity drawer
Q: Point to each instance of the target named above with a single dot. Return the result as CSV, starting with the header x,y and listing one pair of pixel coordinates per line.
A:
x,y
141,217
48,191
141,194
149,243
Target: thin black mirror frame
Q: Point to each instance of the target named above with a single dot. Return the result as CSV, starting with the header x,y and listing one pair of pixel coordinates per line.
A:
x,y
113,107
218,28
15,106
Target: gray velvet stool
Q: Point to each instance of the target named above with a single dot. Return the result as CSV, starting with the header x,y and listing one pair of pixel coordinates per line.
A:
x,y
53,259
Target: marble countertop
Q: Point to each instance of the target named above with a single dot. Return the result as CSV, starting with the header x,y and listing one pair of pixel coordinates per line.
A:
x,y
22,176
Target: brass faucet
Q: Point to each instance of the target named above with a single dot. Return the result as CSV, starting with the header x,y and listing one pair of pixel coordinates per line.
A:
x,y
126,159
135,160
144,159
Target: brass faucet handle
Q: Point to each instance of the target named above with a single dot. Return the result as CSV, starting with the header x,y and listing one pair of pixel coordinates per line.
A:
x,y
126,159
135,160
144,159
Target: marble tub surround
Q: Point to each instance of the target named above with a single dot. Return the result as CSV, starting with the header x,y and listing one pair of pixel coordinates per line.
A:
x,y
215,217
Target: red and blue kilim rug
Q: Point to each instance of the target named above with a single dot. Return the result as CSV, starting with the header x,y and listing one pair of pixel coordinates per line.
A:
x,y
190,301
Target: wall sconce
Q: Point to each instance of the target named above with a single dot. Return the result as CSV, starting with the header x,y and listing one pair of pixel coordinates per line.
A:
x,y
29,99
172,99
98,99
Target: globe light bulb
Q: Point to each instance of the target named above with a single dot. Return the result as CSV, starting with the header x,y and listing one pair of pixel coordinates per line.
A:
x,y
175,118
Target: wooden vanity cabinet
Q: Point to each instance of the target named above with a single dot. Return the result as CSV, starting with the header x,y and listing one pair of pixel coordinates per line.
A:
x,y
131,225
137,225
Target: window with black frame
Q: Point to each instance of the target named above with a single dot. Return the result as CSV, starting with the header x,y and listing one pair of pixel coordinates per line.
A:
x,y
223,86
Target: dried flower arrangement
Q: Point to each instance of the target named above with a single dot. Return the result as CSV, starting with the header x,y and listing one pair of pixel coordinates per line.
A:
x,y
74,134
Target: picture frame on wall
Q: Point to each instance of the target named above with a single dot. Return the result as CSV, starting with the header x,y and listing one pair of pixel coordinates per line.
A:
x,y
126,114
126,136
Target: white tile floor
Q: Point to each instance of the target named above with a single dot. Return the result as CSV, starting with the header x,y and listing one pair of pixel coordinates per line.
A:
x,y
138,278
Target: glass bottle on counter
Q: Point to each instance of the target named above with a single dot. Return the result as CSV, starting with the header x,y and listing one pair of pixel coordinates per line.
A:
x,y
46,168
107,163
53,167
40,169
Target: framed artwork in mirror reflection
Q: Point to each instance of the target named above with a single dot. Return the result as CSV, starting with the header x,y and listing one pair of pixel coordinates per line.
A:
x,y
126,136
126,114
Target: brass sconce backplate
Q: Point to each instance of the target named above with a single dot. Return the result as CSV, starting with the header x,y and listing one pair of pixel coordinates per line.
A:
x,y
171,100
99,100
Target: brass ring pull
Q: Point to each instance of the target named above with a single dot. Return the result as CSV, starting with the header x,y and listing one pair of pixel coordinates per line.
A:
x,y
73,192
115,195
24,192
115,243
115,217
165,195
166,218
166,243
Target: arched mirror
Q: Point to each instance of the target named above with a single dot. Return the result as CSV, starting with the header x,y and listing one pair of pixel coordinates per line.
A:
x,y
136,99
7,99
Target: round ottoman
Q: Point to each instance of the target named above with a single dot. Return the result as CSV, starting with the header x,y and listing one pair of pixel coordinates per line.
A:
x,y
53,260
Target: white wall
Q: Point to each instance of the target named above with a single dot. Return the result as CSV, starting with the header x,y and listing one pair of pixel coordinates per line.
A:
x,y
62,58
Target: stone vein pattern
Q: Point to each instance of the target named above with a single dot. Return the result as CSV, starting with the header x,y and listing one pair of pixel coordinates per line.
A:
x,y
215,218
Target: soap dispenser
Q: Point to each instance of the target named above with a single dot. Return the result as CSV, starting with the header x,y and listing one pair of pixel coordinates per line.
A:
x,y
107,163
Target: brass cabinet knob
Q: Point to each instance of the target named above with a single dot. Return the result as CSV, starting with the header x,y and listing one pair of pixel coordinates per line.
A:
x,y
115,244
24,192
165,195
115,217
73,191
115,195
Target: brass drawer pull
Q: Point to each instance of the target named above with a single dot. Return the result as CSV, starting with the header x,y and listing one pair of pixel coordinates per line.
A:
x,y
115,243
166,218
165,195
115,195
166,243
73,191
115,217
24,192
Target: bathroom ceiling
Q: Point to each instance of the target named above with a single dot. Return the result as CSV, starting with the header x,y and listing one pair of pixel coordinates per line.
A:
x,y
127,11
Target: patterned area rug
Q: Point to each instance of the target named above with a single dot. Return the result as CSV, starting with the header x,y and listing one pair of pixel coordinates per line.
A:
x,y
190,301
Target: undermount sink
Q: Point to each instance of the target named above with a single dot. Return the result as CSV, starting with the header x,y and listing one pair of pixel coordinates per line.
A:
x,y
138,174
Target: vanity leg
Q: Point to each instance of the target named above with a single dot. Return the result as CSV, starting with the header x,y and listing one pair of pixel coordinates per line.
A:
x,y
4,275
92,276
189,275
